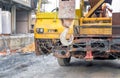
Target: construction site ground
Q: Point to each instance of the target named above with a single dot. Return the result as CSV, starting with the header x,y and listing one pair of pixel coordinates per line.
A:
x,y
28,65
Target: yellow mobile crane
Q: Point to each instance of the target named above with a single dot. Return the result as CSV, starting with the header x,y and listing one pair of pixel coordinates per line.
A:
x,y
68,32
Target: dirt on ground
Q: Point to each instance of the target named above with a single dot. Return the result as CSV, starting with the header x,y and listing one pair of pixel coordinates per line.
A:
x,y
28,65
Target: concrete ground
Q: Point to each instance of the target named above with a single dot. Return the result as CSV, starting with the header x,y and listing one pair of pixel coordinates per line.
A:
x,y
30,66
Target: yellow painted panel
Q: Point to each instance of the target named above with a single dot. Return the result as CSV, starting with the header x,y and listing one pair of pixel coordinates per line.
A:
x,y
51,24
100,22
43,15
47,24
50,36
96,31
47,36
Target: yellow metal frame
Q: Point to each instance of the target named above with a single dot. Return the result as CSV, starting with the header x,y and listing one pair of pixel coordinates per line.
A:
x,y
105,25
95,21
46,15
94,8
39,4
81,8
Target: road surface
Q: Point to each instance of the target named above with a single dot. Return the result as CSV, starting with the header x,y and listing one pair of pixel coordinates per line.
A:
x,y
30,66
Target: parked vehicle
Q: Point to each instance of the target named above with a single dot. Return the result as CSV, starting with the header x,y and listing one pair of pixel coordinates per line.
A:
x,y
68,32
